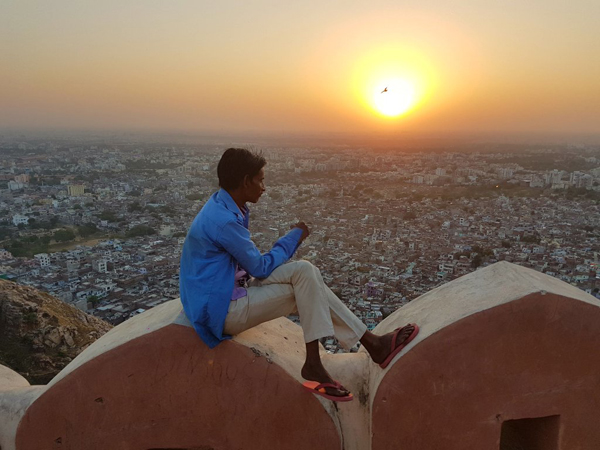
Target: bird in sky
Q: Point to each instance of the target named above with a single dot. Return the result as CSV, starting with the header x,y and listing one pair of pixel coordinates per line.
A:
x,y
385,90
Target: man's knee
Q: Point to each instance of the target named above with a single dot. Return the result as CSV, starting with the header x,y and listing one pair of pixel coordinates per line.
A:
x,y
304,267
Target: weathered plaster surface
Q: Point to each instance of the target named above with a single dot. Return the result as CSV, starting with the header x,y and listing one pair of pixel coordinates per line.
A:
x,y
137,326
15,397
478,291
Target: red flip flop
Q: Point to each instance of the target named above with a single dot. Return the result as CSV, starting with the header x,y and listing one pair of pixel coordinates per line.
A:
x,y
396,350
319,389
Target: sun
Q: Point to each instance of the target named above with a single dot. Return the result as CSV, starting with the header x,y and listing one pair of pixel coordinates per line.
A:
x,y
408,74
394,97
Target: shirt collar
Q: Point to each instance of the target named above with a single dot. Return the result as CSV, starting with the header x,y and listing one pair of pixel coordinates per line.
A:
x,y
231,205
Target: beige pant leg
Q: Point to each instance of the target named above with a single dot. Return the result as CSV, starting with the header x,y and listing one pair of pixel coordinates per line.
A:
x,y
348,328
296,286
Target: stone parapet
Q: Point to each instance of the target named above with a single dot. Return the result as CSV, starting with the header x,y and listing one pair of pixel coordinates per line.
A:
x,y
505,356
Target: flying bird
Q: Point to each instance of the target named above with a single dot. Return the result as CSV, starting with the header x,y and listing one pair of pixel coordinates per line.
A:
x,y
385,90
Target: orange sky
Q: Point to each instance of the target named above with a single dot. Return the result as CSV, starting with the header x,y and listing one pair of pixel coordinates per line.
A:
x,y
265,66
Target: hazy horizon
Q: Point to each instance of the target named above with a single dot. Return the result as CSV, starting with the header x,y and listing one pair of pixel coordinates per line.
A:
x,y
501,71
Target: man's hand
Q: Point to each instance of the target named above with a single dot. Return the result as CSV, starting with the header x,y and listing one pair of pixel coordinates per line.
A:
x,y
304,228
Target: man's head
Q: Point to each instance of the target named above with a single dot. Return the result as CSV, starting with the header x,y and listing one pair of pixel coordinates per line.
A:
x,y
242,170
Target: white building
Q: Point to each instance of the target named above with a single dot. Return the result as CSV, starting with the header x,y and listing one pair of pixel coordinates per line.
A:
x,y
166,230
43,259
506,173
100,265
15,185
553,177
20,219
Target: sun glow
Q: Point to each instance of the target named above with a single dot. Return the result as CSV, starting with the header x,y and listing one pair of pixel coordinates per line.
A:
x,y
406,73
394,97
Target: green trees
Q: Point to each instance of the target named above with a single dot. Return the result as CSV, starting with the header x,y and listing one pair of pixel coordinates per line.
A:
x,y
108,216
482,251
51,223
140,230
30,317
28,246
135,206
194,196
531,239
63,235
168,210
87,230
5,232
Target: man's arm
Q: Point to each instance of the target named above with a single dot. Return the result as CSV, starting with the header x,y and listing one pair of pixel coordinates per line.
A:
x,y
235,238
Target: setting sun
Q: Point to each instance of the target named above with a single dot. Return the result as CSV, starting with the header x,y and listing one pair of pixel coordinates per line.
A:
x,y
393,81
395,97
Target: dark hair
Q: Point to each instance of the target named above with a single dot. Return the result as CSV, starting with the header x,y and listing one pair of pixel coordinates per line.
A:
x,y
235,164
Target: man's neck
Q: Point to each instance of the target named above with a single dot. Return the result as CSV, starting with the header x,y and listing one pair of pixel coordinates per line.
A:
x,y
238,198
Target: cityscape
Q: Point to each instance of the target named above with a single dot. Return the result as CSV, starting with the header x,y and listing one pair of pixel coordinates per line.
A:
x,y
101,225
437,162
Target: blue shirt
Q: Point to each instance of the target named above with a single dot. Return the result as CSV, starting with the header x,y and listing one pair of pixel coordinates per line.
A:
x,y
217,241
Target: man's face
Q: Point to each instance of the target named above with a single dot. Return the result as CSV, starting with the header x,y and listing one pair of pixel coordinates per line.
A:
x,y
256,186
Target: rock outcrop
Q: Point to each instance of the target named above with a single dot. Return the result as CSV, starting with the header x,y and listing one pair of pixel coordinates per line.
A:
x,y
39,334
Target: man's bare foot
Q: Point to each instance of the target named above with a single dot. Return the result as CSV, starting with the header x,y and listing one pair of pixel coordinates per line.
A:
x,y
381,347
316,372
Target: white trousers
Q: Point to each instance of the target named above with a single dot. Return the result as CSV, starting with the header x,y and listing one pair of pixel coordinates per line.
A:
x,y
296,287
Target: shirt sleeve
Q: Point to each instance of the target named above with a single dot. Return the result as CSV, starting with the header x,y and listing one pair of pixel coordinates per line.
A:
x,y
235,238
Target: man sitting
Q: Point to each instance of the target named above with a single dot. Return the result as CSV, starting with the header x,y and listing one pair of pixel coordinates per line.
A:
x,y
228,286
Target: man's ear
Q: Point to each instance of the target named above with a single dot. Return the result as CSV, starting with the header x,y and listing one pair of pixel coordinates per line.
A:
x,y
246,181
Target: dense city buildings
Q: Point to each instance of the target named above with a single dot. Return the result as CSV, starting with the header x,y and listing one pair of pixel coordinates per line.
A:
x,y
101,226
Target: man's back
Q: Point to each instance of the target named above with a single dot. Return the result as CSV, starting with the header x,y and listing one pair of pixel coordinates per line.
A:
x,y
207,271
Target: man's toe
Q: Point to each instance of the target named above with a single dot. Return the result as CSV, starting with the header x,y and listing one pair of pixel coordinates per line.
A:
x,y
339,391
404,334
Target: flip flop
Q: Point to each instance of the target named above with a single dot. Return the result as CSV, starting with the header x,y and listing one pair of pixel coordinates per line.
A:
x,y
319,389
396,350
